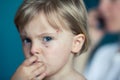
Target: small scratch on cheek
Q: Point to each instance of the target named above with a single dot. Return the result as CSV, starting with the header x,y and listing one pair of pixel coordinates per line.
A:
x,y
58,30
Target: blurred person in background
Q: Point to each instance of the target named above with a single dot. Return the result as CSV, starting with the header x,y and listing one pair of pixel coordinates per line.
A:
x,y
96,32
105,63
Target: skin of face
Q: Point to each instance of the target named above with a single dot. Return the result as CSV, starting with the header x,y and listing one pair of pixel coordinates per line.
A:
x,y
52,47
110,10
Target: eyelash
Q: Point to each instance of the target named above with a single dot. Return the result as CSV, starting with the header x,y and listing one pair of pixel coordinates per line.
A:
x,y
47,39
26,41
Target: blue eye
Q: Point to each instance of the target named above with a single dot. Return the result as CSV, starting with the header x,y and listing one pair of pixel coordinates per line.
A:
x,y
26,41
47,39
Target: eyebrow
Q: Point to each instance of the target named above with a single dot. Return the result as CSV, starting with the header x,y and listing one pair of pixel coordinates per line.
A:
x,y
24,34
46,33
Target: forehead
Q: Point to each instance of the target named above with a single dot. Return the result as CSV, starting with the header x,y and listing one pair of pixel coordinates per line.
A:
x,y
39,23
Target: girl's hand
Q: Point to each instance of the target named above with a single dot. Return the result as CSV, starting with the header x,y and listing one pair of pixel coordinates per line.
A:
x,y
30,70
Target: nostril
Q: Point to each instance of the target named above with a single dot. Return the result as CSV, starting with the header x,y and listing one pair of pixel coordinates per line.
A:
x,y
37,53
34,51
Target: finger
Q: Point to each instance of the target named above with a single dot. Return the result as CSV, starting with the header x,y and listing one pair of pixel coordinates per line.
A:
x,y
41,77
36,66
30,60
39,71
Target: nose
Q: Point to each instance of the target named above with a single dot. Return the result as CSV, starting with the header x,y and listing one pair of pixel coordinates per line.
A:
x,y
35,49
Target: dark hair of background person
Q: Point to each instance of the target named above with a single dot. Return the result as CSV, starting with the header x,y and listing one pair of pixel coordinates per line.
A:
x,y
107,38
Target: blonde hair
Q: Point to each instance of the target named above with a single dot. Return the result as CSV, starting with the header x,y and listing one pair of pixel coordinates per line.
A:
x,y
71,14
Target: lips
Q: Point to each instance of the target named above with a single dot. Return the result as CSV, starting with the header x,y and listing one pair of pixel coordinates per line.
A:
x,y
37,62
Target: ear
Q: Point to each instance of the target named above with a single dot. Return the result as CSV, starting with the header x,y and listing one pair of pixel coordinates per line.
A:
x,y
78,42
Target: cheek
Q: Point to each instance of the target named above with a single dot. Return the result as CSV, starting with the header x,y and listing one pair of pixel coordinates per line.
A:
x,y
55,59
57,54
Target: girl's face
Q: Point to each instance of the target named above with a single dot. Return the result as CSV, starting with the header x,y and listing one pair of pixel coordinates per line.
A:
x,y
52,47
111,12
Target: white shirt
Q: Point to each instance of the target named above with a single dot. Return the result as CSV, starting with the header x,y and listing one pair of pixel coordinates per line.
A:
x,y
102,63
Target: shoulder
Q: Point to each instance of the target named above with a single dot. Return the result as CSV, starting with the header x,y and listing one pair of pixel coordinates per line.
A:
x,y
105,53
108,49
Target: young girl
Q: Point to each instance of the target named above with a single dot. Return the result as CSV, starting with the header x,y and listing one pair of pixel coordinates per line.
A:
x,y
53,32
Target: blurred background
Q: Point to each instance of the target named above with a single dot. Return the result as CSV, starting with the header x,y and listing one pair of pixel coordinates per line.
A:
x,y
10,49
102,57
